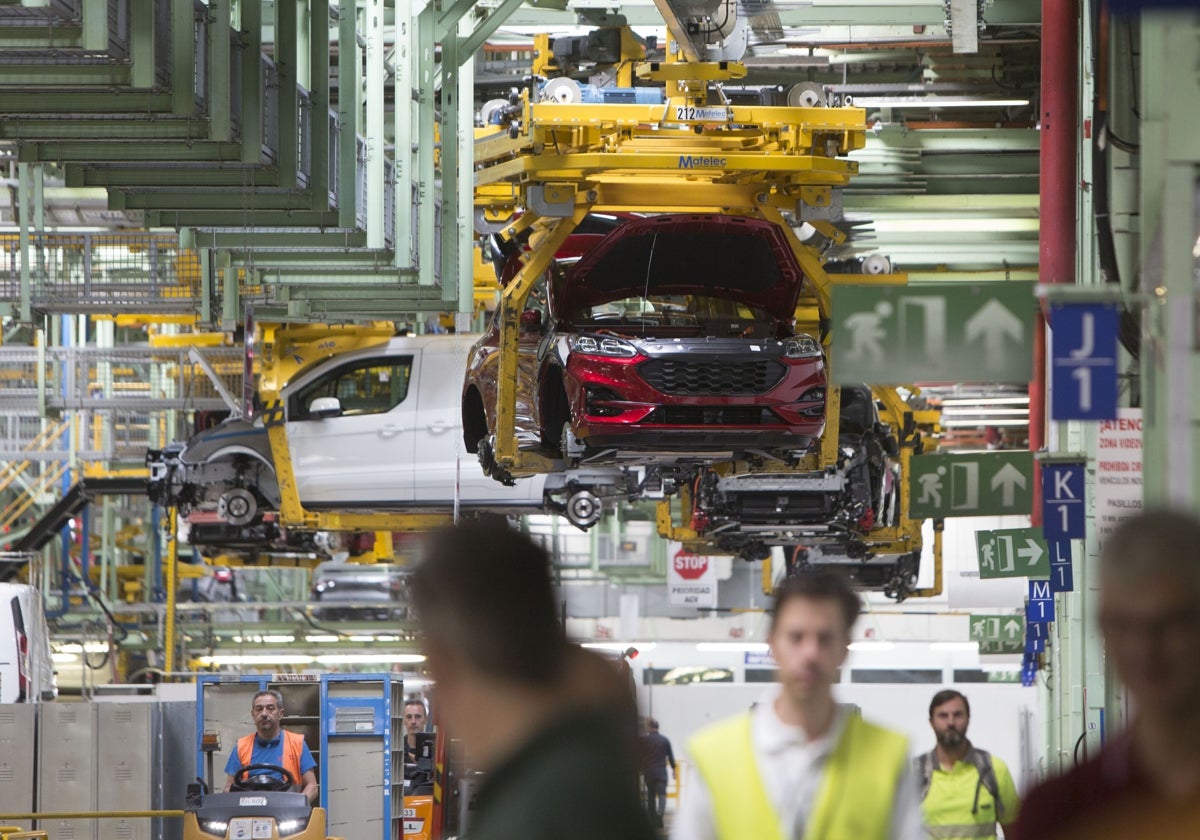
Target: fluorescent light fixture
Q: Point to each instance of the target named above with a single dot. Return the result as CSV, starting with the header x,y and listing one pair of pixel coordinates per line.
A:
x,y
278,640
87,647
956,225
620,647
1007,667
369,658
872,645
367,639
935,102
322,638
256,659
989,411
954,646
983,421
64,658
748,647
985,401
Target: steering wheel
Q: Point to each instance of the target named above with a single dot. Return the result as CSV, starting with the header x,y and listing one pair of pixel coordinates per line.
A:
x,y
263,781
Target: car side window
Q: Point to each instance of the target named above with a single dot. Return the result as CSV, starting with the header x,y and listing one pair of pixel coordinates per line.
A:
x,y
367,386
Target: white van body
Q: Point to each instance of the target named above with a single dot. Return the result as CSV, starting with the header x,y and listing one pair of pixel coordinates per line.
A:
x,y
26,668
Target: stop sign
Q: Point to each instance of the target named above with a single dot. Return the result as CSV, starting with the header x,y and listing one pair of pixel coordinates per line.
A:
x,y
690,566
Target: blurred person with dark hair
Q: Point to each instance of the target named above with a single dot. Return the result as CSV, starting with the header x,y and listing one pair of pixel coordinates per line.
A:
x,y
797,765
551,725
1145,782
965,791
656,755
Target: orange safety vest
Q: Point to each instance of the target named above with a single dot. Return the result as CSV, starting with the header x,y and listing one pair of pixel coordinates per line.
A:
x,y
293,748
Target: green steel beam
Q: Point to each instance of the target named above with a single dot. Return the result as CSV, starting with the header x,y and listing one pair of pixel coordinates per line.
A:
x,y
1008,204
349,68
454,158
336,262
318,87
65,35
116,128
289,99
232,201
240,240
221,218
403,116
424,204
74,150
251,122
375,111
183,59
141,43
46,74
220,126
46,100
213,175
95,25
487,27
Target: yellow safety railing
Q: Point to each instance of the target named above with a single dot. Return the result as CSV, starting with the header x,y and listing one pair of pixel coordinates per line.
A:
x,y
13,470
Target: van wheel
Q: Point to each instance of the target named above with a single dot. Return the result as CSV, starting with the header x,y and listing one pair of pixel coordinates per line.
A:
x,y
474,421
556,410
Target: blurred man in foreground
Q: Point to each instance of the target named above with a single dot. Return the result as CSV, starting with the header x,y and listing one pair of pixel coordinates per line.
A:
x,y
1146,780
798,765
551,725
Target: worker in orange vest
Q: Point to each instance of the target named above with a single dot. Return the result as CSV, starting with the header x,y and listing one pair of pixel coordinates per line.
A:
x,y
272,745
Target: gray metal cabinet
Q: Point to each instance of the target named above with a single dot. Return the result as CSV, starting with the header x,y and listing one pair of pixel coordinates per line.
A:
x,y
66,773
16,760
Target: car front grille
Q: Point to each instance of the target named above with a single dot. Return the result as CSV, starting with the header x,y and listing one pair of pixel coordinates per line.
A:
x,y
700,377
711,415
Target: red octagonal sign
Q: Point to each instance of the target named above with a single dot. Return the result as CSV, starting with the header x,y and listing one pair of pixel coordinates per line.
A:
x,y
690,566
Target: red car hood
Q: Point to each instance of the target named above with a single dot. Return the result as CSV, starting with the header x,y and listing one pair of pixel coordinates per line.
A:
x,y
735,257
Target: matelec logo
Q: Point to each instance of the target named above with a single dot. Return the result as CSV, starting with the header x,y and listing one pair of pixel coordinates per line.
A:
x,y
699,162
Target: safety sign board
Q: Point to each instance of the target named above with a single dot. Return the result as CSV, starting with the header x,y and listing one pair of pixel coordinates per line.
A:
x,y
1083,360
970,484
1062,501
691,580
1014,552
1062,576
939,332
998,633
1118,470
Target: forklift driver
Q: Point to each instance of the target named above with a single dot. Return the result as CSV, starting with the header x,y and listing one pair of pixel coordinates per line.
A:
x,y
271,745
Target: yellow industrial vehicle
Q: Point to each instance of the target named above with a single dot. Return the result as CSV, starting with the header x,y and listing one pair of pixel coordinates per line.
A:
x,y
257,807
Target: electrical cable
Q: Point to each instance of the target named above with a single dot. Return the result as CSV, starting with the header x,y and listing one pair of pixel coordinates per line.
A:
x,y
1075,752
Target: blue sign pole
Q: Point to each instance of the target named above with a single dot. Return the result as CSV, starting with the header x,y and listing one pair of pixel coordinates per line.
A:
x,y
1083,359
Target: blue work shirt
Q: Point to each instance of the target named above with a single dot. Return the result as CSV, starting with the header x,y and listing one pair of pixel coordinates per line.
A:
x,y
270,752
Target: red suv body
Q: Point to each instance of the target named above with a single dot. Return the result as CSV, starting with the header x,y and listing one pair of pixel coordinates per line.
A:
x,y
669,335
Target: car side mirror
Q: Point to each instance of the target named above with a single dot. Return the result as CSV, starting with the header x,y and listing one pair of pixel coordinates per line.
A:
x,y
325,407
531,320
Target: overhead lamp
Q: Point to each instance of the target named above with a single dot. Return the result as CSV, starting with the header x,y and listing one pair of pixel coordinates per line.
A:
x,y
256,659
954,646
935,102
64,658
990,411
278,640
959,225
748,647
321,638
369,658
972,422
86,647
985,401
869,645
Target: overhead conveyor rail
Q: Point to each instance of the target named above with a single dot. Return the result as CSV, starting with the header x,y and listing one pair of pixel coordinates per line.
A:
x,y
70,505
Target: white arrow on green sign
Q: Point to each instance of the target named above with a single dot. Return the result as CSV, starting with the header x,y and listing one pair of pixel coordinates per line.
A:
x,y
998,633
1014,552
970,484
936,332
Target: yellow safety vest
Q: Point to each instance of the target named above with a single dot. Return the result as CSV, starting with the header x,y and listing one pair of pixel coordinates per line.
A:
x,y
959,807
853,802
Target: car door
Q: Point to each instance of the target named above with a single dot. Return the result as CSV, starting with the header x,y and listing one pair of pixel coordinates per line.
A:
x,y
363,457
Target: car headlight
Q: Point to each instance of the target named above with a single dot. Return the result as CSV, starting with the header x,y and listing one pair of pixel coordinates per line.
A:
x,y
217,827
801,347
603,346
289,827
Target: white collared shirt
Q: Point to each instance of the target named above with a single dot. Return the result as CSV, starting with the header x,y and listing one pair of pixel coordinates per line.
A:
x,y
791,766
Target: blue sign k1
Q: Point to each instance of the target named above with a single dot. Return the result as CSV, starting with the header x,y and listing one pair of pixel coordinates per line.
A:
x,y
1083,355
1062,501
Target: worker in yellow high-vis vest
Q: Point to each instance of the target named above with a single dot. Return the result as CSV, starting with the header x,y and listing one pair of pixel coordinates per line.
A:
x,y
965,790
797,766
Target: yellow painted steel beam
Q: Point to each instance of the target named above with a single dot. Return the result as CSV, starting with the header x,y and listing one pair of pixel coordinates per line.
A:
x,y
512,304
169,583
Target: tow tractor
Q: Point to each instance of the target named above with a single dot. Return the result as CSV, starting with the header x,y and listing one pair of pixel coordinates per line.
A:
x,y
261,806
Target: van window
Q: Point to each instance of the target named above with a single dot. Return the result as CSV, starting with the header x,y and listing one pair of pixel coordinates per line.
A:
x,y
367,386
22,640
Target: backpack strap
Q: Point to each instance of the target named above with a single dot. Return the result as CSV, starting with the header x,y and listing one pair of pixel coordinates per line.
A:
x,y
982,760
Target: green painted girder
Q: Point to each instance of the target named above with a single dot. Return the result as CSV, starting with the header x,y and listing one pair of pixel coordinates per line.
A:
x,y
213,174
65,36
110,101
24,76
1010,204
38,127
58,151
348,261
266,240
231,200
249,218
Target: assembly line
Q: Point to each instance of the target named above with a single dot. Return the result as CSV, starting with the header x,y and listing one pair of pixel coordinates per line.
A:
x,y
551,419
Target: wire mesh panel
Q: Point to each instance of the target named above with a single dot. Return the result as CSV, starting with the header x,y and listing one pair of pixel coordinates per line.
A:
x,y
104,272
